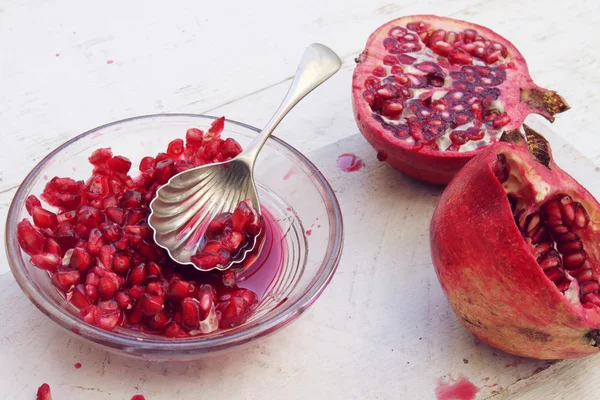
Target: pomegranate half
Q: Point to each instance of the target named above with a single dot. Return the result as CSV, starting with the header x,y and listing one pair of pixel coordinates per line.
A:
x,y
514,242
430,92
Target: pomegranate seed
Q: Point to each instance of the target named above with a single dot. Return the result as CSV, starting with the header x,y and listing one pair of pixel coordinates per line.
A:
x,y
230,148
137,274
92,293
205,260
136,291
78,297
115,214
81,260
64,279
233,312
190,314
31,202
66,216
47,261
107,315
108,286
135,215
121,263
232,240
151,304
155,288
100,156
135,314
119,164
43,392
582,218
30,239
158,321
589,287
43,218
52,246
175,147
132,199
179,289
164,171
229,278
123,300
111,233
95,241
173,330
194,137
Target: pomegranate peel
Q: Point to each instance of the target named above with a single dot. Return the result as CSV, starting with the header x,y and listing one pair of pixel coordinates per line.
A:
x,y
431,92
526,280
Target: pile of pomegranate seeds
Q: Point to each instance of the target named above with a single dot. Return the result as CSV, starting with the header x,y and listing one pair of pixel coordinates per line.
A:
x,y
228,235
99,249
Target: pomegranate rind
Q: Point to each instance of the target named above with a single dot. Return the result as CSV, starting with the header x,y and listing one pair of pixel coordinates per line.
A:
x,y
427,164
492,281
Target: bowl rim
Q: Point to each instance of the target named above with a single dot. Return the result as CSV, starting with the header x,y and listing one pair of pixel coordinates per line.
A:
x,y
144,346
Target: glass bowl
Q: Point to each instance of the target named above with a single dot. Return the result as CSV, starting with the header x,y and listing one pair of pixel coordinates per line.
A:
x,y
289,186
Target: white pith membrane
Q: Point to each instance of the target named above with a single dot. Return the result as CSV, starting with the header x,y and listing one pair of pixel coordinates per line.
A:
x,y
555,226
427,97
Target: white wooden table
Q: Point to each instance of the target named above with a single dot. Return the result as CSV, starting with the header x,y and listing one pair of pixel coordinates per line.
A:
x,y
383,329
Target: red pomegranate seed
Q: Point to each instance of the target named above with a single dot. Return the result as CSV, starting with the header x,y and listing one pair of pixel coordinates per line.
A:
x,y
115,214
194,137
66,216
231,240
190,314
151,304
100,156
173,330
132,199
119,164
248,295
158,321
136,291
217,126
164,171
205,260
43,392
179,289
121,263
108,315
30,239
175,147
31,202
92,293
43,218
124,300
233,312
230,148
241,216
156,288
137,274
52,246
229,278
47,261
108,286
64,279
154,269
111,233
95,241
78,297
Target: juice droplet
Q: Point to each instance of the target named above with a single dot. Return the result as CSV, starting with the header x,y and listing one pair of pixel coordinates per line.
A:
x,y
349,162
456,389
77,365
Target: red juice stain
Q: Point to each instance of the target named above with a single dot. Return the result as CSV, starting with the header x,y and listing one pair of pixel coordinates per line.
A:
x,y
57,55
456,389
289,174
110,61
260,275
45,177
77,365
349,162
487,378
138,397
308,232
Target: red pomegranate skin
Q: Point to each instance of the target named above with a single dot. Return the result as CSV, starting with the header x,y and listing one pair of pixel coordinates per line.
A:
x,y
520,97
491,279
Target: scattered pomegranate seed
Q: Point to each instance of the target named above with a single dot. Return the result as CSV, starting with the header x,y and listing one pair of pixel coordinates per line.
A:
x,y
43,392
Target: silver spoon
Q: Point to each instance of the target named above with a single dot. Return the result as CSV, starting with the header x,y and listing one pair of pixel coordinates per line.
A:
x,y
184,206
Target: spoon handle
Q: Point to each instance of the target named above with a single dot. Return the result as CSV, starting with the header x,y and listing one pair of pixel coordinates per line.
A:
x,y
318,64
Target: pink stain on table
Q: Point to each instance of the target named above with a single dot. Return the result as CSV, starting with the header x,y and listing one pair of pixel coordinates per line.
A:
x,y
138,397
110,61
308,232
455,389
349,162
77,365
513,365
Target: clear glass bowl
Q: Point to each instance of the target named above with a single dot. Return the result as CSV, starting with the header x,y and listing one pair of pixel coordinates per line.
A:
x,y
289,185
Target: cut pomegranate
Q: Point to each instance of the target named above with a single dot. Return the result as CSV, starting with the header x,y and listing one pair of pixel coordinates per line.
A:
x,y
100,253
431,92
527,280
